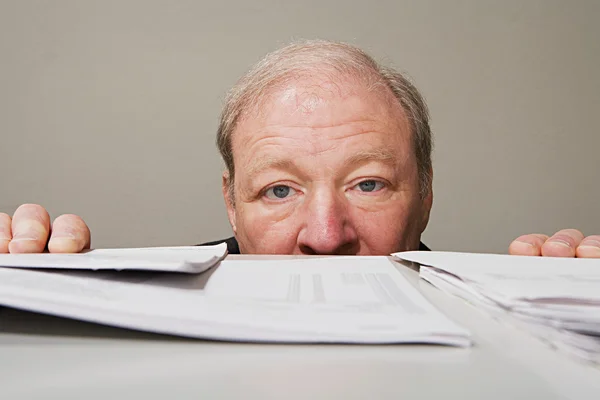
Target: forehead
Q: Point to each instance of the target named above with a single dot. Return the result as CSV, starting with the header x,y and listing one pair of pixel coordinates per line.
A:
x,y
318,109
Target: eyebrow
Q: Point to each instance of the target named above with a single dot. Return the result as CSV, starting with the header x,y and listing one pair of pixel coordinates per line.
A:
x,y
384,155
264,164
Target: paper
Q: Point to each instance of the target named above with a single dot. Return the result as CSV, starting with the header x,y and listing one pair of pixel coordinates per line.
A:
x,y
188,259
517,282
339,281
557,299
333,300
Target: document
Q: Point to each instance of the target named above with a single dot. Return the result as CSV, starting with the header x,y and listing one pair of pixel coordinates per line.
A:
x,y
313,300
186,259
556,299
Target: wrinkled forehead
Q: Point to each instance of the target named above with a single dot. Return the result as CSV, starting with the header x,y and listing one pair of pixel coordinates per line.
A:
x,y
322,123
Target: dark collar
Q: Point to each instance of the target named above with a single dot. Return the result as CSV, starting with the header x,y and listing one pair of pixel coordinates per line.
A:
x,y
234,248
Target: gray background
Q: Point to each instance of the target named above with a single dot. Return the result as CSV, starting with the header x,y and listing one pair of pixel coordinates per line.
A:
x,y
108,109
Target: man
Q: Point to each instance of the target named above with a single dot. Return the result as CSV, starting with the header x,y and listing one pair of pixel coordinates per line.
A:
x,y
327,152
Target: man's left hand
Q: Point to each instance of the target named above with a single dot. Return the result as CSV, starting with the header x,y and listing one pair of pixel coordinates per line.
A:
x,y
564,243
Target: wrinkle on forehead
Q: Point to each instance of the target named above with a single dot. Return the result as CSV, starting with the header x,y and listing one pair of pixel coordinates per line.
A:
x,y
319,113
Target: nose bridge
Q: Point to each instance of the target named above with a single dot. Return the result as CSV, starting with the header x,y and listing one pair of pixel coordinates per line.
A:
x,y
325,212
326,228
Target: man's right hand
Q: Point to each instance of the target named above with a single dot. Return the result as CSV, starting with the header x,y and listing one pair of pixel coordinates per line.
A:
x,y
30,231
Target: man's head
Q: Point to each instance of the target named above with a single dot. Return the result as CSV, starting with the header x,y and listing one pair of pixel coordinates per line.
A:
x,y
326,153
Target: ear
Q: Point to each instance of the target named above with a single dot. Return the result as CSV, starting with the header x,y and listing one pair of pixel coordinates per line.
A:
x,y
427,203
229,201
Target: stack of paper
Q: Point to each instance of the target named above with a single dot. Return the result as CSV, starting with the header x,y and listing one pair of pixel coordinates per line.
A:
x,y
556,299
326,300
189,259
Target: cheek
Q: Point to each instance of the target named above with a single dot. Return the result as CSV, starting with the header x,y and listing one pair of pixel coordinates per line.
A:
x,y
260,232
387,231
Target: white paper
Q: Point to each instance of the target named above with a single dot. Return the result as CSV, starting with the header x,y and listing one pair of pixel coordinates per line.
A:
x,y
187,259
366,296
556,299
356,301
518,280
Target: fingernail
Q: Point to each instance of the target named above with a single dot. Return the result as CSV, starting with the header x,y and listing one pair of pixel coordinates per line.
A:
x,y
523,248
587,251
522,242
63,245
29,230
23,238
590,247
64,235
25,245
561,242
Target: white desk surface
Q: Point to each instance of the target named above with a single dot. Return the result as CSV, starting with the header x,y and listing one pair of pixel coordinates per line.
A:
x,y
54,358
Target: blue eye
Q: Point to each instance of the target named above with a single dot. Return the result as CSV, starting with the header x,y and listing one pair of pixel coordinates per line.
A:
x,y
370,185
279,192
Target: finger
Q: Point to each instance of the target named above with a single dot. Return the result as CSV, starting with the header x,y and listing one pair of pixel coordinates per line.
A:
x,y
69,235
589,247
528,245
563,243
30,228
5,232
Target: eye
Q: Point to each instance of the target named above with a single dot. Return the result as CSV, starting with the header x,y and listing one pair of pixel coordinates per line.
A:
x,y
279,192
370,185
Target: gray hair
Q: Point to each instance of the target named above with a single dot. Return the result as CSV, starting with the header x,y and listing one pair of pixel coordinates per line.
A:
x,y
301,57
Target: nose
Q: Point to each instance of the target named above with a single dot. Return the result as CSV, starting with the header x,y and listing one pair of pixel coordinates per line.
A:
x,y
327,227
